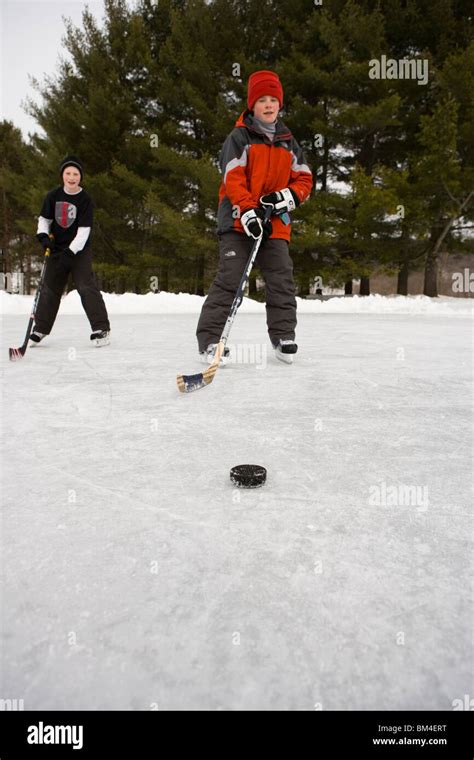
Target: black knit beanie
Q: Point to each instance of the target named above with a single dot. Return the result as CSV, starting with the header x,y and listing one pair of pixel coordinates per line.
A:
x,y
71,161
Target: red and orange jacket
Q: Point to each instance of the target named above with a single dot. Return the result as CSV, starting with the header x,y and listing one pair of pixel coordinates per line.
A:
x,y
252,166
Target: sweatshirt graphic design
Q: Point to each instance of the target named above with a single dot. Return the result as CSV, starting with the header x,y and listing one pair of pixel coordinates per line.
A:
x,y
68,217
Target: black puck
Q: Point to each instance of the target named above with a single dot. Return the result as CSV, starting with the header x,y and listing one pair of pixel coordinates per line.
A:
x,y
248,475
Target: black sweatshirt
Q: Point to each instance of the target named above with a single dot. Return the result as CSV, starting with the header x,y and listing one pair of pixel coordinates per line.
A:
x,y
66,213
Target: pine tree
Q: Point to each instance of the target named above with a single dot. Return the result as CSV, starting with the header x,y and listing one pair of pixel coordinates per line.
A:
x,y
19,205
152,92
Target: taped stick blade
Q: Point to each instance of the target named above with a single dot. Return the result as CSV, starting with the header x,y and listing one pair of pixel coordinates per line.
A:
x,y
189,383
16,353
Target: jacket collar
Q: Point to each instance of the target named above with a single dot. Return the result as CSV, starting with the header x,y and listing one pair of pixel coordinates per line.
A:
x,y
247,121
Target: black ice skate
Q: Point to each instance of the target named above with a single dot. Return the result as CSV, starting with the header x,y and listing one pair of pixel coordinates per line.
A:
x,y
285,350
37,337
101,337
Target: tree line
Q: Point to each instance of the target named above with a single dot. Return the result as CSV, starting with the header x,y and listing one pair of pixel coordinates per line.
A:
x,y
380,94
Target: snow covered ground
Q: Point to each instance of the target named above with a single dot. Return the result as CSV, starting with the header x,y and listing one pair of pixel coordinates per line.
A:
x,y
137,577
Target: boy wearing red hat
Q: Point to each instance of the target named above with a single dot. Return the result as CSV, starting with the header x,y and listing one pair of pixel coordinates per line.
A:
x,y
262,166
67,216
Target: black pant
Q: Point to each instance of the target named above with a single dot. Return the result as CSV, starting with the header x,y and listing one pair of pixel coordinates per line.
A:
x,y
56,277
276,266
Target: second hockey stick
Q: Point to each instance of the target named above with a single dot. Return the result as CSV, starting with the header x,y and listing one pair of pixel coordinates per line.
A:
x,y
18,353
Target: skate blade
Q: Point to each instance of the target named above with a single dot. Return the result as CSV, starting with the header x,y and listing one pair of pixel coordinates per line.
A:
x,y
285,358
101,342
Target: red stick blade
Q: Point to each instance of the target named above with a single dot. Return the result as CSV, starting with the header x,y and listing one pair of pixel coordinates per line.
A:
x,y
15,354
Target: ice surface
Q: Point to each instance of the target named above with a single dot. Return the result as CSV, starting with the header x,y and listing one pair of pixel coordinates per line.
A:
x,y
136,576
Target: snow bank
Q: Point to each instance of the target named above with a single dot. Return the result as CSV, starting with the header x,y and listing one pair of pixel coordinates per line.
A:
x,y
184,303
377,304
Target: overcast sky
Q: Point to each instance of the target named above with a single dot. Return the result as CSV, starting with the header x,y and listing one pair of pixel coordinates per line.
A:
x,y
30,35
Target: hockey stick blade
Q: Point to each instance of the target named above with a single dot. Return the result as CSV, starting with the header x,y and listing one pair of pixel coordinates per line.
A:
x,y
189,383
16,354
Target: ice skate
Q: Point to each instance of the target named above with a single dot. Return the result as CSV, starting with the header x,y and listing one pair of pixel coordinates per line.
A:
x,y
207,356
37,337
285,350
101,337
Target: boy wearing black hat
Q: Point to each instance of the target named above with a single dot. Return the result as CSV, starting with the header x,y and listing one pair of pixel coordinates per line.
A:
x,y
67,215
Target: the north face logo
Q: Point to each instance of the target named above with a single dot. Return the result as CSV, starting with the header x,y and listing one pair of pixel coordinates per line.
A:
x,y
228,254
65,214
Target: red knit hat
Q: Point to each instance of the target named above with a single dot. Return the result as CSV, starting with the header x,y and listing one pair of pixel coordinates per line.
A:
x,y
263,83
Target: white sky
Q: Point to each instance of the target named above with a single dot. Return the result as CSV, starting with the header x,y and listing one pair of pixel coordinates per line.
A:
x,y
31,33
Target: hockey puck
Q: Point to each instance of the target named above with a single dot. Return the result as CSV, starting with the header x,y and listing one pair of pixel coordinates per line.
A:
x,y
248,475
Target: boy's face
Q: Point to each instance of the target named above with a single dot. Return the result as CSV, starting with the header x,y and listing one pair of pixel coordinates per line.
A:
x,y
266,108
71,178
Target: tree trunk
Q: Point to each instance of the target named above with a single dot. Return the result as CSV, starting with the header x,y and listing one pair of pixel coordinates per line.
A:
x,y
325,162
303,289
200,275
430,287
348,288
437,237
164,277
402,282
27,283
364,286
6,264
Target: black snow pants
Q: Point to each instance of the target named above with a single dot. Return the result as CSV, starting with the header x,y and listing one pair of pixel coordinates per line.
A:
x,y
276,266
56,277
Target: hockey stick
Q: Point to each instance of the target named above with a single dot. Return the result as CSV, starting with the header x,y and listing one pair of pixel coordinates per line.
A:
x,y
188,383
18,353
